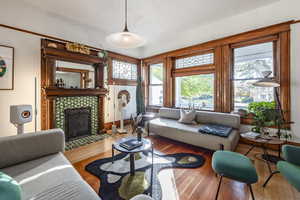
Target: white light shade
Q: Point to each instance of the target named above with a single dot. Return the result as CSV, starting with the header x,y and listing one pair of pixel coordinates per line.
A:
x,y
125,40
266,82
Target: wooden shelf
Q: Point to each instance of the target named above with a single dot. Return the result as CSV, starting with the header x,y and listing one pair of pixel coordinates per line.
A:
x,y
55,92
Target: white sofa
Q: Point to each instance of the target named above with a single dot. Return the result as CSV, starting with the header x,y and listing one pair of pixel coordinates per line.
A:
x,y
167,125
36,161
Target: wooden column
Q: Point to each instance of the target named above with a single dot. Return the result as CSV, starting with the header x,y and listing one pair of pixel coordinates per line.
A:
x,y
226,81
168,85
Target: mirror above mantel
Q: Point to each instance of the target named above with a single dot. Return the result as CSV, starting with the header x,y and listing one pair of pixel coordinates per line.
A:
x,y
70,75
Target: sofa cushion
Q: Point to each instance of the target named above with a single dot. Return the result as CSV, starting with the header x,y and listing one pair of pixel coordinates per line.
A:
x,y
29,146
46,173
204,117
226,119
169,113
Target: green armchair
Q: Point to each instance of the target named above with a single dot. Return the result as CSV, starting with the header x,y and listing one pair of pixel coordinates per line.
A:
x,y
290,168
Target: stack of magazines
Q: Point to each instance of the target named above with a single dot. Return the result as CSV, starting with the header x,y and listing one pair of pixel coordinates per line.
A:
x,y
131,144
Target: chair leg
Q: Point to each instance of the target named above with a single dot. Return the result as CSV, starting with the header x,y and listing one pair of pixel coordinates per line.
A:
x,y
216,198
268,179
251,191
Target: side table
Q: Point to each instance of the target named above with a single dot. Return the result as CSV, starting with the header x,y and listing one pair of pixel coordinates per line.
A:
x,y
262,142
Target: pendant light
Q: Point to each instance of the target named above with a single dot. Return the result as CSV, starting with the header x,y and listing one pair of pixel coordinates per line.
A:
x,y
125,39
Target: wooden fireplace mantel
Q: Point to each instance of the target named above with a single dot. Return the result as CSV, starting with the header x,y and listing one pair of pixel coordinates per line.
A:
x,y
61,92
52,51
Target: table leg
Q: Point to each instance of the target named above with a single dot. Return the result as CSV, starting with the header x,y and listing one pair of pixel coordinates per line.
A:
x,y
279,151
252,147
112,153
132,168
152,151
267,159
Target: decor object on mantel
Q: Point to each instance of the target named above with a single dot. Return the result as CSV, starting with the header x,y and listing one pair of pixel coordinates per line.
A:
x,y
117,183
125,39
79,48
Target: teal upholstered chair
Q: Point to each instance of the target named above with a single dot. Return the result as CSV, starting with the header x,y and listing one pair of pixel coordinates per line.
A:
x,y
290,168
234,166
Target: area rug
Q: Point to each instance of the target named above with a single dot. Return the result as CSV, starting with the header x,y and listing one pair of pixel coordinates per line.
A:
x,y
84,141
117,184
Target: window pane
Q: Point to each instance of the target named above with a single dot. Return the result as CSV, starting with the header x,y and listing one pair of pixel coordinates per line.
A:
x,y
156,73
245,93
156,95
124,70
196,90
251,61
194,61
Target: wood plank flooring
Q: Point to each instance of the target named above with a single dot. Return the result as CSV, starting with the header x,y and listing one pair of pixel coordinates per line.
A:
x,y
191,184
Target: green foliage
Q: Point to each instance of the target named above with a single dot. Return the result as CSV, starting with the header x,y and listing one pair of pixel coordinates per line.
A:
x,y
264,114
196,86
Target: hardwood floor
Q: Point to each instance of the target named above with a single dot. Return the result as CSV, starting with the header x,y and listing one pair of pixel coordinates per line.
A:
x,y
191,184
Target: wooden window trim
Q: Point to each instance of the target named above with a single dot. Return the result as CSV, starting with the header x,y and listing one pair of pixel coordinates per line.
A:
x,y
222,48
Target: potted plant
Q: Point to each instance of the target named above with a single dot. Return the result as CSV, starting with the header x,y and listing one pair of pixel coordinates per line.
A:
x,y
261,118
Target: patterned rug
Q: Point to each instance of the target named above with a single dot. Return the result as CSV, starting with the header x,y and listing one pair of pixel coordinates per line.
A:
x,y
117,184
84,141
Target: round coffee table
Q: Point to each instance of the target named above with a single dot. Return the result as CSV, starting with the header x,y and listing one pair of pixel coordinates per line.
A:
x,y
262,142
147,145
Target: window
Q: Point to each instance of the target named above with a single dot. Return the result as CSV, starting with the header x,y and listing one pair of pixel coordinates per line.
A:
x,y
124,70
195,91
249,63
156,84
194,61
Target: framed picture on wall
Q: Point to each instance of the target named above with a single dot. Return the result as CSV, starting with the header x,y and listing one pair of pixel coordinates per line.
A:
x,y
6,67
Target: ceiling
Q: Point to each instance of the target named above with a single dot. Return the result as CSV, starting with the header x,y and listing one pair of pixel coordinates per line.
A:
x,y
152,19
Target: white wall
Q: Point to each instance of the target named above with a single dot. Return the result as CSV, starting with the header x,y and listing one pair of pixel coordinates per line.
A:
x,y
295,79
26,68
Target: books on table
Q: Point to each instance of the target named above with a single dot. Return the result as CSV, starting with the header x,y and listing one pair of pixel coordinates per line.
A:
x,y
131,144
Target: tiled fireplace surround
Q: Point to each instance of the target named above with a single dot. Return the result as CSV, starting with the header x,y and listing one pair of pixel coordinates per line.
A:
x,y
63,103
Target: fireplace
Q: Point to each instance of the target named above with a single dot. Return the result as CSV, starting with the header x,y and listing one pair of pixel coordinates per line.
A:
x,y
77,122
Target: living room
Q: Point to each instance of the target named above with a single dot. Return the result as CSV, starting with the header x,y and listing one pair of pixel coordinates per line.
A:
x,y
149,100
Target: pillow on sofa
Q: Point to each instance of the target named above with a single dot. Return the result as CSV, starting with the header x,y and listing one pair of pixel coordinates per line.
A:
x,y
9,188
216,129
187,117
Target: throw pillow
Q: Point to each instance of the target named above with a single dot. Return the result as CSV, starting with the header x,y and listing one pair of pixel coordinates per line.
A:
x,y
9,188
187,117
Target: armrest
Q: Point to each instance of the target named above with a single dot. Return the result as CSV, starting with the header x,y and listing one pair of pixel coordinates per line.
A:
x,y
291,154
29,146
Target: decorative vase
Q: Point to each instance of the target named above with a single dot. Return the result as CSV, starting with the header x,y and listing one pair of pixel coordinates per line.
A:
x,y
139,132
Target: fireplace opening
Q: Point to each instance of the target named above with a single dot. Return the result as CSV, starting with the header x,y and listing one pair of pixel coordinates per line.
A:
x,y
77,123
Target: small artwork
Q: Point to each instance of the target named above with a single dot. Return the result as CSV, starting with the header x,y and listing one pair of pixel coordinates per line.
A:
x,y
6,68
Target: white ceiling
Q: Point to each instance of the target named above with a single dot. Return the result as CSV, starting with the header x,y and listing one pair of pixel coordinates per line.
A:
x,y
153,19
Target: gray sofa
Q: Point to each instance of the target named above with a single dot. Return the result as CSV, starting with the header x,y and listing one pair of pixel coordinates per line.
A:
x,y
36,162
167,125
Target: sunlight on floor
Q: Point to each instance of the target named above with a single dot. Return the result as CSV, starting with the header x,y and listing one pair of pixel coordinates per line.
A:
x,y
167,180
